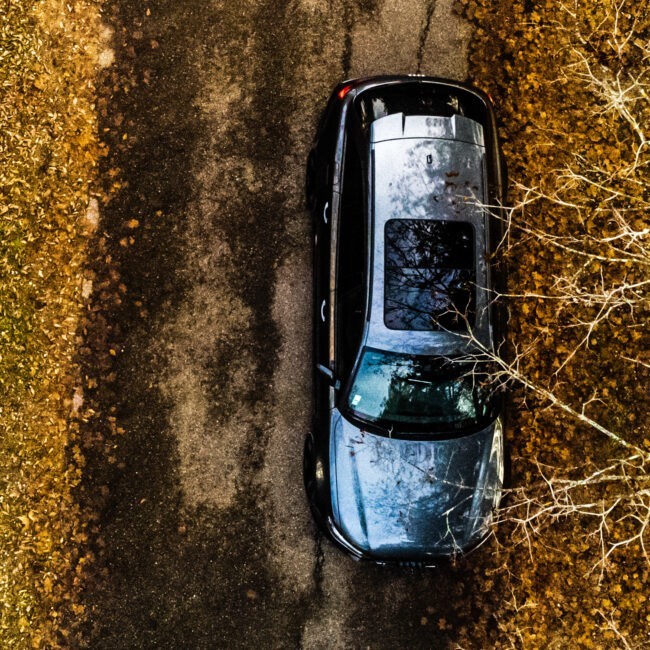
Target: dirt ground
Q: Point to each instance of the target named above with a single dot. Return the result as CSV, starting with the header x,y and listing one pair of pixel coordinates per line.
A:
x,y
205,533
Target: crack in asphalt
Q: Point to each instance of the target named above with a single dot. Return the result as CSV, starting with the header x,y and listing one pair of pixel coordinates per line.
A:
x,y
346,57
318,565
352,13
424,34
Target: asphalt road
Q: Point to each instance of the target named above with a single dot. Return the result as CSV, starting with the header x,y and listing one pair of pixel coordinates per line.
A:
x,y
209,110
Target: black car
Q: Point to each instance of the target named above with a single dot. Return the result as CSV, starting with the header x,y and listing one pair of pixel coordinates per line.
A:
x,y
405,462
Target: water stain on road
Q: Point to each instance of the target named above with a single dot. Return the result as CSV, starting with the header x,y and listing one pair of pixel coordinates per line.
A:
x,y
206,536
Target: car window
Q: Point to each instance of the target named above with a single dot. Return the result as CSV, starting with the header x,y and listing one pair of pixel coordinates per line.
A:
x,y
351,262
430,274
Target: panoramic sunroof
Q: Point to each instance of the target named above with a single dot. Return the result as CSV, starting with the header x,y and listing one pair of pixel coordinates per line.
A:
x,y
429,274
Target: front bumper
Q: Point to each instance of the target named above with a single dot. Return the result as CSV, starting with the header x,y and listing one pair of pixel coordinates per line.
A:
x,y
428,562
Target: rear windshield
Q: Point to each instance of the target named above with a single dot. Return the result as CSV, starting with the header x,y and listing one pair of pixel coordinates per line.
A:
x,y
430,276
419,98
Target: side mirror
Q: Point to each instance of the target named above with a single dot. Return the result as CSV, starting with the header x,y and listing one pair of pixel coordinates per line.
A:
x,y
329,373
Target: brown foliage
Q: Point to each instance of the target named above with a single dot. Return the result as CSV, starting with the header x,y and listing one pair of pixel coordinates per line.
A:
x,y
48,155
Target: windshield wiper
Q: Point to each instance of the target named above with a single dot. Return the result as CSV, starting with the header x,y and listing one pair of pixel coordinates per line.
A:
x,y
369,423
412,380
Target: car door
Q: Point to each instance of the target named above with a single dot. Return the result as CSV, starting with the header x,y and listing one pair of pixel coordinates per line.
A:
x,y
497,232
322,199
324,208
351,261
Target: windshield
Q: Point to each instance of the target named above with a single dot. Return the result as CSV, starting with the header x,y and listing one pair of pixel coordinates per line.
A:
x,y
415,393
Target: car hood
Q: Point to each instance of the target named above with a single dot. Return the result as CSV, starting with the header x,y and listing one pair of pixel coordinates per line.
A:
x,y
394,497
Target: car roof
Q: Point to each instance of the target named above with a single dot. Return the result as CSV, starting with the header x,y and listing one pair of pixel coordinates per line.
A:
x,y
426,168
